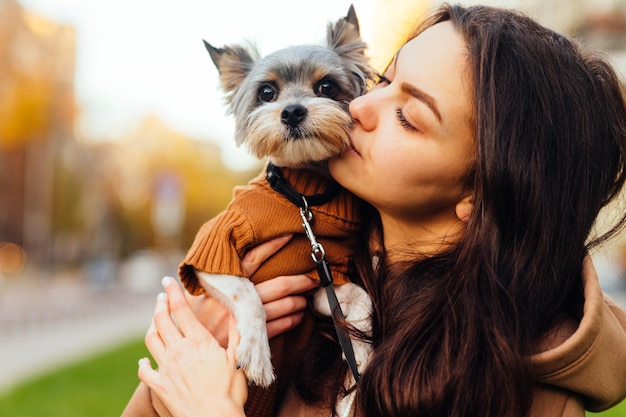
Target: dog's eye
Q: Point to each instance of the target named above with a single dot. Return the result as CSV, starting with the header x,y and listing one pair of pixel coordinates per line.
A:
x,y
267,93
326,88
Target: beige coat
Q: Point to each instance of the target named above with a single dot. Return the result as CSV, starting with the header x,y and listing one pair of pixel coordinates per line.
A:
x,y
580,365
583,365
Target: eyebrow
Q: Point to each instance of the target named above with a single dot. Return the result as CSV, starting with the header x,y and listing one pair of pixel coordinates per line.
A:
x,y
424,97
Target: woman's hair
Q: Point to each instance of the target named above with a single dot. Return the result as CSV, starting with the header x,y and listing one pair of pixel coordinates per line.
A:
x,y
452,332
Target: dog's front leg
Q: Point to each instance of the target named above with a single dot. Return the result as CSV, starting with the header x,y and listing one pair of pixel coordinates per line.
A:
x,y
356,306
240,297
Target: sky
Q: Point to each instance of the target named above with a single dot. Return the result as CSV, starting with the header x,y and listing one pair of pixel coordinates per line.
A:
x,y
137,58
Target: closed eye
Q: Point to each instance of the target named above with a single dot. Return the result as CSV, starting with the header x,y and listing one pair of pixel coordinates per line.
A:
x,y
404,122
381,79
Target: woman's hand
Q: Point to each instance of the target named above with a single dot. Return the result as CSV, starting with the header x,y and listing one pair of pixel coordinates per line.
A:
x,y
196,358
196,375
213,315
282,296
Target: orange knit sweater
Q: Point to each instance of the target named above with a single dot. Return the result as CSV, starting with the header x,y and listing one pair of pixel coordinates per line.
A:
x,y
256,214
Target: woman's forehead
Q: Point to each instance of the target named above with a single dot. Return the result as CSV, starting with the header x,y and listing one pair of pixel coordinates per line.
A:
x,y
440,37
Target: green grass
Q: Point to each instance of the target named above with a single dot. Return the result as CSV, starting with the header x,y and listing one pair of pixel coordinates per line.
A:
x,y
101,387
97,387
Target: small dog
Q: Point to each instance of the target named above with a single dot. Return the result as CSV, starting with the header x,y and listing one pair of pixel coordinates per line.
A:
x,y
291,107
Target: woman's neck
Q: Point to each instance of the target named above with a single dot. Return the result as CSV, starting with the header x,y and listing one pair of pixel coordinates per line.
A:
x,y
406,240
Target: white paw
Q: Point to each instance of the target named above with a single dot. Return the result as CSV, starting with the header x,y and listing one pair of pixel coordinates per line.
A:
x,y
239,295
253,356
356,306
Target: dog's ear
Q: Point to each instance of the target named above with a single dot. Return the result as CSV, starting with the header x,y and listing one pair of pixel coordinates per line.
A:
x,y
234,63
351,18
215,53
344,38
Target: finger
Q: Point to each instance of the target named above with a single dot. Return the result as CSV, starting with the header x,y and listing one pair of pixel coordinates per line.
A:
x,y
154,343
212,314
283,324
284,306
163,322
259,254
280,287
240,382
240,387
146,374
179,307
233,341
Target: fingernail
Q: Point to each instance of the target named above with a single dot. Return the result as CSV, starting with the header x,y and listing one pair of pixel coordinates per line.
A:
x,y
162,297
166,281
143,361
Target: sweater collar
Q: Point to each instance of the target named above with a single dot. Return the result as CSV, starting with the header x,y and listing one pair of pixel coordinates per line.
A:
x,y
279,183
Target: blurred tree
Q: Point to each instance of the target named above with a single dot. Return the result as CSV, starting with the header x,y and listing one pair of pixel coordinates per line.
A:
x,y
36,120
135,171
67,202
24,108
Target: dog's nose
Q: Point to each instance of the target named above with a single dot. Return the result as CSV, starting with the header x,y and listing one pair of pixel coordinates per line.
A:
x,y
293,114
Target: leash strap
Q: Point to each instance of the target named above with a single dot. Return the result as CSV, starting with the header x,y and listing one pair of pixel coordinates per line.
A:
x,y
326,278
278,183
337,314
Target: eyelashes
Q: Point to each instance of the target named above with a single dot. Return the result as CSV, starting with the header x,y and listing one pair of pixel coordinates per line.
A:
x,y
403,121
381,79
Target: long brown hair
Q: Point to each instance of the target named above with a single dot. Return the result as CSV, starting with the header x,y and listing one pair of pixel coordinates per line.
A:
x,y
451,332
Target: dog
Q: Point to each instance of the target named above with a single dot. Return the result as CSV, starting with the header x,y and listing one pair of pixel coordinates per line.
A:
x,y
290,107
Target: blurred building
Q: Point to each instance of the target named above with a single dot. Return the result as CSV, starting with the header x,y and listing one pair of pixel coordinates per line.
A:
x,y
37,114
67,201
599,24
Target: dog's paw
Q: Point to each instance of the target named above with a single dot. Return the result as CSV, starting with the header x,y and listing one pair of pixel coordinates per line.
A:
x,y
362,352
253,352
239,295
355,303
356,306
253,356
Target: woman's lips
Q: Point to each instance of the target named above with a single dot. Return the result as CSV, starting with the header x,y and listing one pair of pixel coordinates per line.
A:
x,y
352,149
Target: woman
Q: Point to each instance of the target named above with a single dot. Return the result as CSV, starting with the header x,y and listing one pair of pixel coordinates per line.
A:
x,y
484,155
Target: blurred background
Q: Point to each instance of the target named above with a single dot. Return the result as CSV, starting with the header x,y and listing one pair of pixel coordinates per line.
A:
x,y
115,147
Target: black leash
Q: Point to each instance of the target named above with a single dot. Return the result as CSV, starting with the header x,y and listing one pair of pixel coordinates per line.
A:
x,y
279,184
274,176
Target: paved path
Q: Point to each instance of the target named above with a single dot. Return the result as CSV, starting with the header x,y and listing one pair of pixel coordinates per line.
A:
x,y
44,326
47,324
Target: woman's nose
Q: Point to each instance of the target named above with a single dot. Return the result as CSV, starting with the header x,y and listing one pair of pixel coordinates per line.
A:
x,y
363,111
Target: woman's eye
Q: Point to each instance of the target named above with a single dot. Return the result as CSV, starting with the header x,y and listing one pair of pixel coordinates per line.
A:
x,y
326,88
379,81
403,121
382,80
267,93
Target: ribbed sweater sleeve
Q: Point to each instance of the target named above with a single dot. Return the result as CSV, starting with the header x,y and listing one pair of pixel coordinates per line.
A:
x,y
257,214
218,248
